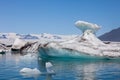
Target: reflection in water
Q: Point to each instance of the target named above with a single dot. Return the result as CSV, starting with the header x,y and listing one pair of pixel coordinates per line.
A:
x,y
30,60
64,69
41,65
49,77
89,72
86,70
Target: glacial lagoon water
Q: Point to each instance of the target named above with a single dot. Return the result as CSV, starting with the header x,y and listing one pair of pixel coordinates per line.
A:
x,y
65,69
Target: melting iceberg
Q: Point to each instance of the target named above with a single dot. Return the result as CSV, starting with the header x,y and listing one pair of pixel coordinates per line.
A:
x,y
87,46
49,67
28,72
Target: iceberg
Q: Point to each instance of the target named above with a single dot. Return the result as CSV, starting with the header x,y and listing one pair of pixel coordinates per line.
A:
x,y
83,26
28,37
28,72
49,67
48,64
87,46
18,44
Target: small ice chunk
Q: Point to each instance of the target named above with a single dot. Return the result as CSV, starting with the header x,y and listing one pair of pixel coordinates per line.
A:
x,y
48,64
49,67
36,71
26,70
30,71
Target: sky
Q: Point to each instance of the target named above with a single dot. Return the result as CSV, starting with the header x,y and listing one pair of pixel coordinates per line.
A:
x,y
57,16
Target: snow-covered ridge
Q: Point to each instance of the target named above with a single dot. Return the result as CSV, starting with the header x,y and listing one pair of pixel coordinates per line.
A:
x,y
29,42
9,38
35,36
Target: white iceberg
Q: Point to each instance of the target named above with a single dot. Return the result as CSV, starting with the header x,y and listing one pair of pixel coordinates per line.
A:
x,y
83,26
18,44
49,67
28,72
87,46
48,64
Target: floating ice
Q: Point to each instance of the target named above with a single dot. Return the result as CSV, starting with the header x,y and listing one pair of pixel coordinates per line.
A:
x,y
48,64
83,26
49,67
30,71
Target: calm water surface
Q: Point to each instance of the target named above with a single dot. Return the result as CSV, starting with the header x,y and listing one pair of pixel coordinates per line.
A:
x,y
11,64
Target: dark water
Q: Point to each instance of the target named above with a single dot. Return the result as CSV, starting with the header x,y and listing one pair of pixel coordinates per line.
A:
x,y
11,64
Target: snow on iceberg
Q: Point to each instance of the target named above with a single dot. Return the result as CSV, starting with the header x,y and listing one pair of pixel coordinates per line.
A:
x,y
83,26
91,38
87,46
18,44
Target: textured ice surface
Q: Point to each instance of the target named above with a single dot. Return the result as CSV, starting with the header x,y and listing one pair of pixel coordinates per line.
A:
x,y
48,64
49,67
82,25
18,43
85,46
